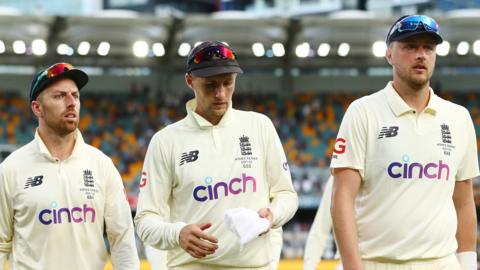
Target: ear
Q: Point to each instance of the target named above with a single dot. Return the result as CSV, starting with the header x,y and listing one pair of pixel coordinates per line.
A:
x,y
36,108
189,80
388,54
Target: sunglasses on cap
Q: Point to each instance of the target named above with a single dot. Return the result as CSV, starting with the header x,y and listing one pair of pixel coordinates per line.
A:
x,y
213,53
411,23
52,71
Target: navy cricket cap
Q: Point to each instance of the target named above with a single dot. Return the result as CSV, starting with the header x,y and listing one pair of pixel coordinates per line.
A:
x,y
412,25
212,58
59,70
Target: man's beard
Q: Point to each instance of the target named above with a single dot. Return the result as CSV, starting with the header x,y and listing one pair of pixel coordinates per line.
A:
x,y
63,128
414,82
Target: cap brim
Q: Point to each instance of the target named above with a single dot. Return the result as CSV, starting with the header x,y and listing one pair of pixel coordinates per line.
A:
x,y
212,71
79,77
437,37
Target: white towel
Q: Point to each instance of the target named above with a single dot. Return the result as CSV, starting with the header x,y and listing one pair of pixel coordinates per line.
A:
x,y
246,224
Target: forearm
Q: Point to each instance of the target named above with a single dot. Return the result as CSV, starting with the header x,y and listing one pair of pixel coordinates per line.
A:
x,y
283,198
314,250
3,259
466,216
345,229
161,235
283,207
124,251
346,186
120,231
319,232
467,227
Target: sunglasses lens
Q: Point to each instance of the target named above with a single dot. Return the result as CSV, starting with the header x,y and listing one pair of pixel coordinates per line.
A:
x,y
58,69
51,72
411,23
213,53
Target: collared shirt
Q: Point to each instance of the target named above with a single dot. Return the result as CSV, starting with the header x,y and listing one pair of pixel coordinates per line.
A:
x,y
409,162
54,213
194,171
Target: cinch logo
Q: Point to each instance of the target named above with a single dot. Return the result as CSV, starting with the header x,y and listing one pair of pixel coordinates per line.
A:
x,y
408,170
235,186
62,215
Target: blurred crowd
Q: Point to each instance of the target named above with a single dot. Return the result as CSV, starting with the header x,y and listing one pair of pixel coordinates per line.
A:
x,y
122,124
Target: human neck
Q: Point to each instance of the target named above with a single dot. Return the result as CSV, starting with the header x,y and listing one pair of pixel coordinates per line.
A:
x,y
416,96
59,146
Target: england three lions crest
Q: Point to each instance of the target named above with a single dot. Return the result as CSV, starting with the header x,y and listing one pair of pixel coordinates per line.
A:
x,y
246,151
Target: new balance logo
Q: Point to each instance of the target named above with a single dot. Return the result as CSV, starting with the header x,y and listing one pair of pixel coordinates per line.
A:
x,y
34,181
388,132
189,157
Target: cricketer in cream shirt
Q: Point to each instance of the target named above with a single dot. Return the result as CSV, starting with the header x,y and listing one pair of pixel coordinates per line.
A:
x,y
54,213
194,171
409,163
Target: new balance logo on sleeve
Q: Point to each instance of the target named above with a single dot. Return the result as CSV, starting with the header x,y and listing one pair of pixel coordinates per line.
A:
x,y
33,181
189,157
388,132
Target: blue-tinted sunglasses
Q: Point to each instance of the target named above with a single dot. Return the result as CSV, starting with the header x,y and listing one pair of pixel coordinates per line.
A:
x,y
411,23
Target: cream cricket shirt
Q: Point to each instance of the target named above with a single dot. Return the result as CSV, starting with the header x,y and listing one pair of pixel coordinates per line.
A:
x,y
409,162
320,230
53,212
194,172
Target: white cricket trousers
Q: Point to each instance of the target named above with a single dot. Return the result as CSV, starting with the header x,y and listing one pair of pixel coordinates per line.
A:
x,y
211,267
446,263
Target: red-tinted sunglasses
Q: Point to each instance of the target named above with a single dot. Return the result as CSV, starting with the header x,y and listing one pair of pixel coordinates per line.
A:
x,y
213,53
48,73
52,71
58,69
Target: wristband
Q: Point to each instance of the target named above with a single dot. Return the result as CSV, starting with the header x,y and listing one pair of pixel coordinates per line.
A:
x,y
467,260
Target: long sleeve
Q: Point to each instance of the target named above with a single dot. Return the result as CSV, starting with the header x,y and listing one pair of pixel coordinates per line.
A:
x,y
320,230
3,258
6,218
119,224
153,209
284,200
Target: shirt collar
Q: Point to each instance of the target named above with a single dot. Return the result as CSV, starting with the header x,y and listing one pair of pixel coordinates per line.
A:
x,y
42,148
399,106
202,122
